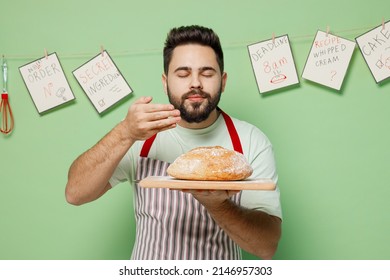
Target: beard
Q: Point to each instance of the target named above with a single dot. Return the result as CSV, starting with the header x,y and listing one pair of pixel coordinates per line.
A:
x,y
195,112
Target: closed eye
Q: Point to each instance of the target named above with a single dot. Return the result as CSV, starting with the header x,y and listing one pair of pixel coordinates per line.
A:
x,y
182,73
208,71
208,74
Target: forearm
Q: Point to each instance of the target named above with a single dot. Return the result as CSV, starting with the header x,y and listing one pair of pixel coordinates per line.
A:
x,y
254,231
89,174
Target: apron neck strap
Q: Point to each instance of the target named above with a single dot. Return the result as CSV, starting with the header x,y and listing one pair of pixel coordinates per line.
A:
x,y
232,132
147,145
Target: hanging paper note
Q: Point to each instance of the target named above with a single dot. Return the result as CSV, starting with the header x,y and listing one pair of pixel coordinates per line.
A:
x,y
102,82
375,48
273,64
46,83
328,60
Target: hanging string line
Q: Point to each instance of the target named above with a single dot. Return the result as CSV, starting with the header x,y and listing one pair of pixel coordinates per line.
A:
x,y
153,51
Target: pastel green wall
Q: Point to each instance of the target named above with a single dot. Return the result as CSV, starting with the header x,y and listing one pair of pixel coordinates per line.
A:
x,y
332,148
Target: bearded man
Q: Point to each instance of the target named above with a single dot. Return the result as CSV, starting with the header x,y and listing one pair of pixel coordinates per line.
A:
x,y
191,224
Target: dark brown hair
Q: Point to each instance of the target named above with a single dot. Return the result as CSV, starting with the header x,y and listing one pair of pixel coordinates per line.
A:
x,y
193,34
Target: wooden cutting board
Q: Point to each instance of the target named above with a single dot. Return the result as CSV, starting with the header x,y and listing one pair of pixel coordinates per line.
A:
x,y
172,183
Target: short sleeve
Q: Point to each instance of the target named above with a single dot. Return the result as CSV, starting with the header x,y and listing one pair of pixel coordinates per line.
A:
x,y
261,158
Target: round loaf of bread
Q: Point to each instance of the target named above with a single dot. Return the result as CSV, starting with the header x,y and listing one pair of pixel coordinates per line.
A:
x,y
210,164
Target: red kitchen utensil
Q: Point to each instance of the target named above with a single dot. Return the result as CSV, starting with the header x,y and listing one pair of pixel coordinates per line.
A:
x,y
7,118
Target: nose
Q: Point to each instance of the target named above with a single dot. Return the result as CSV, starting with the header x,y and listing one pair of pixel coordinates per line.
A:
x,y
196,82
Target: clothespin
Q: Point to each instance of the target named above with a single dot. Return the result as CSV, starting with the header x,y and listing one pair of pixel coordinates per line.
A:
x,y
273,38
383,23
327,30
45,52
102,50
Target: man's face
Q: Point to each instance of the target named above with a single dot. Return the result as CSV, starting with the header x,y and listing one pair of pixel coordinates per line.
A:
x,y
194,82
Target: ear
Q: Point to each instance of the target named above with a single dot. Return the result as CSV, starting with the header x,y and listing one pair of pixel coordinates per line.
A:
x,y
224,79
165,83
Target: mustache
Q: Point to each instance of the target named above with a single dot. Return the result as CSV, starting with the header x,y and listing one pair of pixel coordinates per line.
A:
x,y
199,92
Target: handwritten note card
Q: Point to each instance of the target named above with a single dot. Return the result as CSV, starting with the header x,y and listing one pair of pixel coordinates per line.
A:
x,y
102,82
328,60
46,83
273,64
375,48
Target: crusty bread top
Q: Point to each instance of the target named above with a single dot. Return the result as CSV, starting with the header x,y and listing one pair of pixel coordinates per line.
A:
x,y
210,163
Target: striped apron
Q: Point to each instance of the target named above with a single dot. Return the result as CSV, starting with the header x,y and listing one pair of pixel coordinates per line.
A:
x,y
171,224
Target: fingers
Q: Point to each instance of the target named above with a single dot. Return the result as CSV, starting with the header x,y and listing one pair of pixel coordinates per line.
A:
x,y
211,198
143,100
150,107
229,193
160,117
153,111
161,112
146,119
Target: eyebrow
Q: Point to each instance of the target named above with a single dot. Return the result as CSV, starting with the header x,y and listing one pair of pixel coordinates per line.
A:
x,y
201,69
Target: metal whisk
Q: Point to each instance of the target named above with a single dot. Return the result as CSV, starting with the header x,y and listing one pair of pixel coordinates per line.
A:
x,y
7,119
